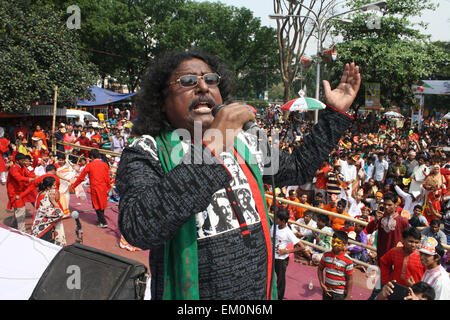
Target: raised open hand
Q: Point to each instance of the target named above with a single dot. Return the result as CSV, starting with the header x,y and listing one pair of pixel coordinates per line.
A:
x,y
343,96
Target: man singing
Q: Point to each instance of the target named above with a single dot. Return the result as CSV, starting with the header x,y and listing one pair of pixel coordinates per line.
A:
x,y
167,196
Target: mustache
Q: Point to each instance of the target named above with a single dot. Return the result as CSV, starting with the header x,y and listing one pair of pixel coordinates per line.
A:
x,y
202,100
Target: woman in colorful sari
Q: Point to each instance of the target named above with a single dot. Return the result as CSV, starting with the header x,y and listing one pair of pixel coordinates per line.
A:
x,y
435,187
47,220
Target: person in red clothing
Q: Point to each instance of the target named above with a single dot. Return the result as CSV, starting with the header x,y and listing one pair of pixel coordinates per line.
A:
x,y
83,141
95,139
34,185
100,183
28,171
389,224
403,264
16,183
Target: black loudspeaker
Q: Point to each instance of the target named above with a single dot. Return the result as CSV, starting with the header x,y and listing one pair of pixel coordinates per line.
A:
x,y
79,272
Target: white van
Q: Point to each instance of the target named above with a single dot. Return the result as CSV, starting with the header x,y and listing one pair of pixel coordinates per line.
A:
x,y
79,117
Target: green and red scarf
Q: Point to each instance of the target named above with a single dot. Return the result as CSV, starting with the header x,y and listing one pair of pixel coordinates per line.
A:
x,y
180,253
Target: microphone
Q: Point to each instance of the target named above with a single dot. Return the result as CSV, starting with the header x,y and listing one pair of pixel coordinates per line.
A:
x,y
262,142
247,126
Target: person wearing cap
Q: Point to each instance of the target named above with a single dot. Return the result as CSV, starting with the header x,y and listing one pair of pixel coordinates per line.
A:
x,y
16,183
374,202
431,253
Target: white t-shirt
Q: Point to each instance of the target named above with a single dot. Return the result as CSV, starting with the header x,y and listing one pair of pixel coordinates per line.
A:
x,y
380,167
304,231
355,208
439,279
283,238
348,171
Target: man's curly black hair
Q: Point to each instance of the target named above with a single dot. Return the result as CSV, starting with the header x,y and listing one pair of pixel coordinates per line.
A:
x,y
155,83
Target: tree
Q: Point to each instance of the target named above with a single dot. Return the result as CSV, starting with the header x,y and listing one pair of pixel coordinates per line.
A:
x,y
135,31
36,56
233,34
396,54
294,33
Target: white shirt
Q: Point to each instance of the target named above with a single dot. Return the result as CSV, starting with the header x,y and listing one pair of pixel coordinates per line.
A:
x,y
355,208
370,169
348,171
304,231
409,203
439,279
380,168
283,238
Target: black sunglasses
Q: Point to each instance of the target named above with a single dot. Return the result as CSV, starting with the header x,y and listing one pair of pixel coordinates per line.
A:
x,y
191,80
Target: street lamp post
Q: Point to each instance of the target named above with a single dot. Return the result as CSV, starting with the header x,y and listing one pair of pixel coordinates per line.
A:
x,y
319,25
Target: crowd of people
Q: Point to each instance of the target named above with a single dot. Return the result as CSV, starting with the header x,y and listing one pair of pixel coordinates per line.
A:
x,y
390,175
45,177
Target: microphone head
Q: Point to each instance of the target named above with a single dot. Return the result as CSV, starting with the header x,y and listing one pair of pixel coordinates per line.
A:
x,y
75,214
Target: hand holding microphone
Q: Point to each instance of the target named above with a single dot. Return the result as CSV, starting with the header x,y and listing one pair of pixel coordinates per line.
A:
x,y
229,121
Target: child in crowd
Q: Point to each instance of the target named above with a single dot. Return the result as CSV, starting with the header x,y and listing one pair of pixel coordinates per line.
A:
x,y
338,266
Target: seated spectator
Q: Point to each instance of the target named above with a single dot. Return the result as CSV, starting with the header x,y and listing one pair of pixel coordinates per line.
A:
x,y
336,222
302,232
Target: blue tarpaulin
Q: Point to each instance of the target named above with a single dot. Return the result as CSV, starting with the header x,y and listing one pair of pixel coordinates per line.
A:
x,y
102,96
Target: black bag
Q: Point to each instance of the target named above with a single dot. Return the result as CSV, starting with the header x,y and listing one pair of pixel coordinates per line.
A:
x,y
79,272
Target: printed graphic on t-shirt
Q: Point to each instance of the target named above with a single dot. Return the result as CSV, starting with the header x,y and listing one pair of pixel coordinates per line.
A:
x,y
219,217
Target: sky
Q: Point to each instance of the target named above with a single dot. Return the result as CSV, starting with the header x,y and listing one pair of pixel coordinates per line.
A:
x,y
438,28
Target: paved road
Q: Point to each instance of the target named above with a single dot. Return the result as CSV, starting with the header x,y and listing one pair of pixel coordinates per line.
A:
x,y
298,275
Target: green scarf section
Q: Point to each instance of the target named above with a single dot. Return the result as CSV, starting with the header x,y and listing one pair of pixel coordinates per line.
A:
x,y
180,253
